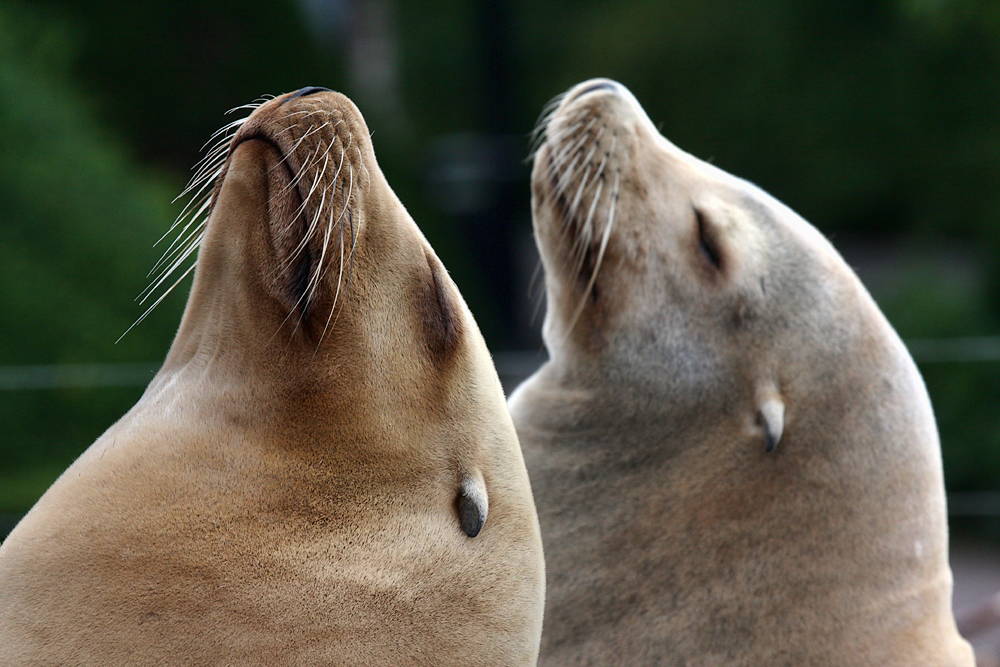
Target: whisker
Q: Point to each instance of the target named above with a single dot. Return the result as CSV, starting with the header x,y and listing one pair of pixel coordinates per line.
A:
x,y
191,220
224,130
307,236
538,133
193,208
600,255
340,275
336,294
584,232
579,192
570,147
305,164
361,161
313,283
570,123
157,302
190,246
252,105
196,221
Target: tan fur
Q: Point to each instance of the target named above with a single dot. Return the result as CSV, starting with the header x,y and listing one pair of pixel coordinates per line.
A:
x,y
672,536
287,492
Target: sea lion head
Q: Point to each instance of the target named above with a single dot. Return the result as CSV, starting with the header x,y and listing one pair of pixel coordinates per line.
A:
x,y
726,407
306,230
325,460
702,285
651,253
312,278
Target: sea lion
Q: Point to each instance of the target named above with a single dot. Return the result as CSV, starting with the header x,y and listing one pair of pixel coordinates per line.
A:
x,y
733,455
324,470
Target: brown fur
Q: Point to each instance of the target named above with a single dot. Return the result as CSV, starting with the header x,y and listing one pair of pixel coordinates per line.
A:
x,y
719,325
285,492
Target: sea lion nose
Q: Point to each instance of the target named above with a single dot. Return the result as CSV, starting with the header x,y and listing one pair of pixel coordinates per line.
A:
x,y
604,84
302,92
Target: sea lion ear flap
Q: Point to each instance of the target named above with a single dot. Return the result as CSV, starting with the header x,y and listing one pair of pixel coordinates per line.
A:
x,y
771,417
473,505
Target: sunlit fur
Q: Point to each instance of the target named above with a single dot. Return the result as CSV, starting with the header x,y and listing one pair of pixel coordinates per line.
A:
x,y
323,472
733,457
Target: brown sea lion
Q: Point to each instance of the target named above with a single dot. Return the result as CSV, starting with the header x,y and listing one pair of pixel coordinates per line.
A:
x,y
733,455
324,470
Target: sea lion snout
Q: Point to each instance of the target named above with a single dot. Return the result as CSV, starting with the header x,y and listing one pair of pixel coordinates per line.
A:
x,y
308,90
594,85
319,183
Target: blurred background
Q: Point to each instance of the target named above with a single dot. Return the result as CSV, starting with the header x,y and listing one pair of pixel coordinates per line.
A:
x,y
877,120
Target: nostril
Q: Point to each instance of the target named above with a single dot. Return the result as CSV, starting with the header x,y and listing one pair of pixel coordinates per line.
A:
x,y
308,90
600,85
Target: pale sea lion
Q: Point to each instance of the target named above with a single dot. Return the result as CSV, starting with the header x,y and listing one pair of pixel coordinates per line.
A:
x,y
324,470
733,455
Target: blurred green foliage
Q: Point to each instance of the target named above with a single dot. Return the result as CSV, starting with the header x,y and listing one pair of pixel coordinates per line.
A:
x,y
81,210
78,223
878,120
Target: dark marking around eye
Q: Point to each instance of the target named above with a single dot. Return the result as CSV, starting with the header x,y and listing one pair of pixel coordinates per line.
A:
x,y
706,244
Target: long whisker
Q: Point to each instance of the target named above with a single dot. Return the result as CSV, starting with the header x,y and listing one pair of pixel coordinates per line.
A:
x,y
538,134
600,255
187,232
157,302
311,229
583,234
582,191
336,294
191,220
